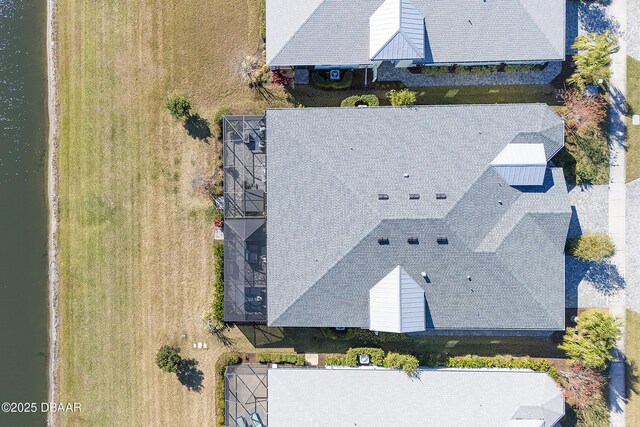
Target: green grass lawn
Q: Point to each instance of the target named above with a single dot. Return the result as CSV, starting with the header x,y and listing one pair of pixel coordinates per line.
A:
x,y
314,340
633,360
310,96
633,132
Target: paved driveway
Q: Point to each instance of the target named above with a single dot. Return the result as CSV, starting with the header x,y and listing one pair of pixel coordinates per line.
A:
x,y
589,284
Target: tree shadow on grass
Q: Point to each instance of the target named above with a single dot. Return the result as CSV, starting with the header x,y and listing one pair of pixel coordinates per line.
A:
x,y
190,376
197,127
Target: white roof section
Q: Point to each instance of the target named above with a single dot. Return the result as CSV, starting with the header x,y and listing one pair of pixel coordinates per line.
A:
x,y
345,397
397,304
396,31
521,164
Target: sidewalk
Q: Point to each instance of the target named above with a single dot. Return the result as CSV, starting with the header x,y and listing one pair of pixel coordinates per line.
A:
x,y
617,208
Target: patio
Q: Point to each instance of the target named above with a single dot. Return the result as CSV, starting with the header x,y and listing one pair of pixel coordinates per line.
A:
x,y
245,167
245,397
245,234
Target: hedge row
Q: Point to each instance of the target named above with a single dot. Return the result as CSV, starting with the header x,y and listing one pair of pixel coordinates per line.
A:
x,y
539,365
351,101
222,363
294,359
217,120
218,282
377,357
479,69
409,363
324,83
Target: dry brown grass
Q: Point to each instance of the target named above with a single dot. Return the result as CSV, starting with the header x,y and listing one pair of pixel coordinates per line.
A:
x,y
136,263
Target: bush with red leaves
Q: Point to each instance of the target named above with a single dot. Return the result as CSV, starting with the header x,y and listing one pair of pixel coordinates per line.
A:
x,y
280,79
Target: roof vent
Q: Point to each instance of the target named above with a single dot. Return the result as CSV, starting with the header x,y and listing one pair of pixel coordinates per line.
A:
x,y
383,241
441,196
406,175
442,241
414,196
413,240
383,196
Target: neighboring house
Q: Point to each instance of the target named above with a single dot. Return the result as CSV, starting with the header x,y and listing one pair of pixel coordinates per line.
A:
x,y
415,218
435,397
325,34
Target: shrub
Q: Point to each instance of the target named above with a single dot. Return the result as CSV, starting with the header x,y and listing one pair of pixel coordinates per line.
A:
x,y
216,312
263,20
591,247
217,120
593,58
178,106
436,70
522,68
222,363
591,341
320,79
355,100
402,97
294,359
211,186
335,361
280,79
168,359
582,114
376,355
253,72
406,362
474,362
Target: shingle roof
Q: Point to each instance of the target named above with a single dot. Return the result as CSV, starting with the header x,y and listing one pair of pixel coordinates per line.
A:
x,y
336,32
444,397
326,168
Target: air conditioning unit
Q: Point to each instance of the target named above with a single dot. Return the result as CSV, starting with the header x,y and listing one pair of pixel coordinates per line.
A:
x,y
334,75
363,359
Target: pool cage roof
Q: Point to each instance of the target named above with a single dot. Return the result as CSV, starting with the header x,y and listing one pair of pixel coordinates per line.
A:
x,y
245,167
245,394
245,224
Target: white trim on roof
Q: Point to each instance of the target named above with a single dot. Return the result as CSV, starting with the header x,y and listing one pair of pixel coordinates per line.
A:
x,y
521,164
396,304
396,31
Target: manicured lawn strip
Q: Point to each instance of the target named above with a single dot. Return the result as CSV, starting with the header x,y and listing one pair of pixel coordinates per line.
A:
x,y
313,97
633,132
633,361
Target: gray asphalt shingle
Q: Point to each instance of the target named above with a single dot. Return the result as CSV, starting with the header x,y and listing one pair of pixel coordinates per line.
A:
x,y
326,168
336,32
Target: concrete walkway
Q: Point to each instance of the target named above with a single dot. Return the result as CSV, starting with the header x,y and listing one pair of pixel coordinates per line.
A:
x,y
617,207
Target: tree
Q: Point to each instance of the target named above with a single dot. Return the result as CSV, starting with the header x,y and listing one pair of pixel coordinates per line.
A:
x,y
582,114
168,358
593,58
591,247
178,106
403,97
583,385
211,186
253,72
591,341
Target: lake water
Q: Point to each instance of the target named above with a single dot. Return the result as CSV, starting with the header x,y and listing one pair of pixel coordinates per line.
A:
x,y
23,208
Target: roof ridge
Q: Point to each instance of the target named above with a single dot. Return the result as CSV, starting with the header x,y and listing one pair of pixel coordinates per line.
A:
x,y
508,266
284,45
325,273
544,35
